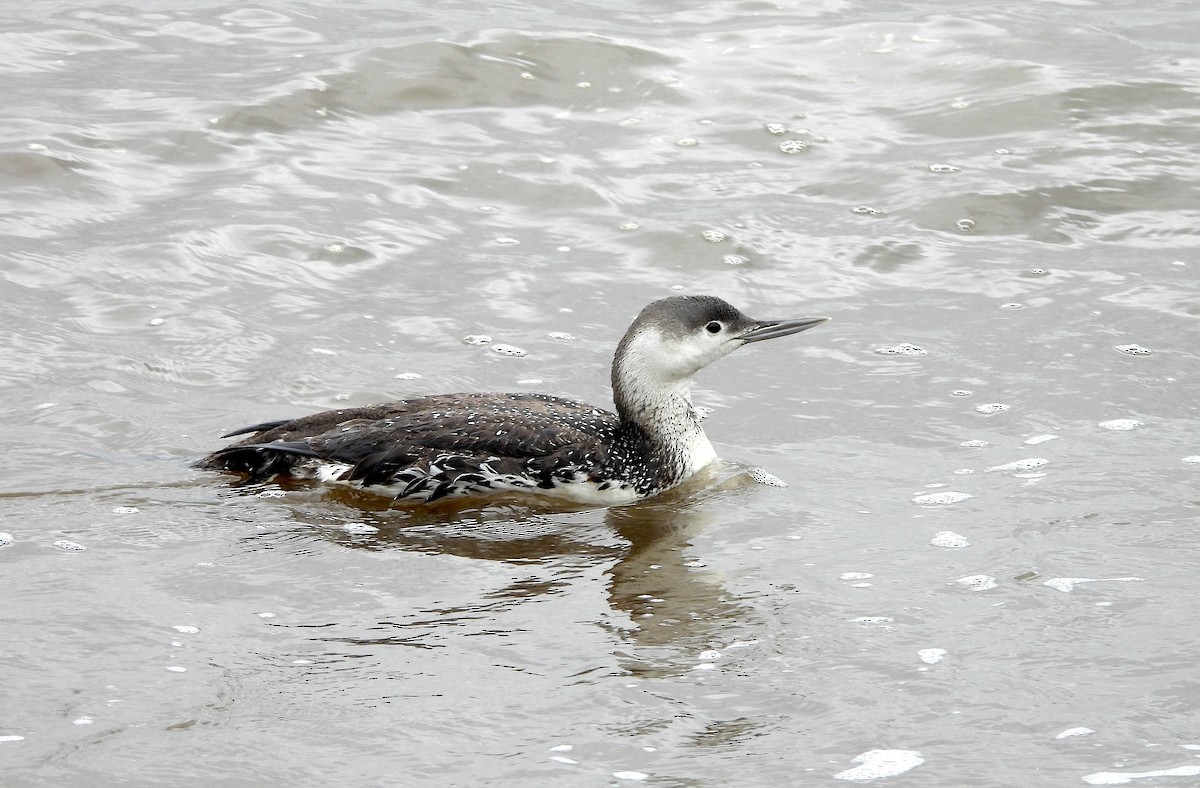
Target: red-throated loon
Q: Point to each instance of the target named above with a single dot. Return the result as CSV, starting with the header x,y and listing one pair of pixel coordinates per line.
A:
x,y
455,445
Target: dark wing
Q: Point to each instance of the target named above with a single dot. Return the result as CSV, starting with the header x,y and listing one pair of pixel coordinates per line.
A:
x,y
432,445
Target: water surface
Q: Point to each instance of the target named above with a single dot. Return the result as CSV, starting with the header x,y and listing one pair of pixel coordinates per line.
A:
x,y
216,215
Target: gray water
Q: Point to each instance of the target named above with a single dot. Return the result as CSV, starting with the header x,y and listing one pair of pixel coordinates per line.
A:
x,y
215,215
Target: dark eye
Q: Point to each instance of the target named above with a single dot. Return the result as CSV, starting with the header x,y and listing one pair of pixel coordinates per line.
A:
x,y
713,328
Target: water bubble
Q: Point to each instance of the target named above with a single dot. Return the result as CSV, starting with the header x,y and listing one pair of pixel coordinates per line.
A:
x,y
561,335
1069,732
855,576
878,764
6,538
977,582
961,393
11,737
903,349
628,226
506,241
944,498
965,225
943,168
488,209
509,350
271,494
1020,465
1134,350
177,669
1122,424
477,339
708,656
872,620
687,142
792,146
949,540
66,544
186,629
776,128
631,775
713,236
1194,458
991,407
266,615
735,259
865,210
82,721
1067,584
583,84
932,656
1012,306
360,529
409,376
322,351
156,321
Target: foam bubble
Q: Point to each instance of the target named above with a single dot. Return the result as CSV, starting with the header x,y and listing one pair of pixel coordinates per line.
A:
x,y
1036,439
1123,778
687,142
713,236
125,510
509,350
186,629
943,168
12,737
1122,424
932,656
949,539
865,210
872,620
792,146
631,775
1067,584
776,128
5,539
1069,732
944,498
977,582
176,669
66,544
477,339
1134,350
991,407
903,349
1195,458
974,444
1021,465
409,376
878,764
735,259
561,335
855,576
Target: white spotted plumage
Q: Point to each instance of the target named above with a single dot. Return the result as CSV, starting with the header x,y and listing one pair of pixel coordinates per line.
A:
x,y
458,445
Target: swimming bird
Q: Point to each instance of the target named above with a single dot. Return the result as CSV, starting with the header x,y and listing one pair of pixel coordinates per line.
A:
x,y
457,445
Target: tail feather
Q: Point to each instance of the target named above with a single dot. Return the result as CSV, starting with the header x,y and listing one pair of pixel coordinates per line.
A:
x,y
259,462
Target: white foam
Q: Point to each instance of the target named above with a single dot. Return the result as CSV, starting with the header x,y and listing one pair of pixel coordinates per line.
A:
x,y
1067,584
949,539
991,407
1123,778
186,629
878,764
872,620
855,576
932,656
903,349
944,498
509,350
12,737
631,775
1069,732
5,538
1122,424
66,544
975,444
1020,465
1036,439
1195,458
977,582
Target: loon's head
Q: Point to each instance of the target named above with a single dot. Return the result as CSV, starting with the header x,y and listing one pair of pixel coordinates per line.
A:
x,y
675,338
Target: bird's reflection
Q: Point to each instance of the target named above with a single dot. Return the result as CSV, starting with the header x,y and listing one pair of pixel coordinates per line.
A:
x,y
668,605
